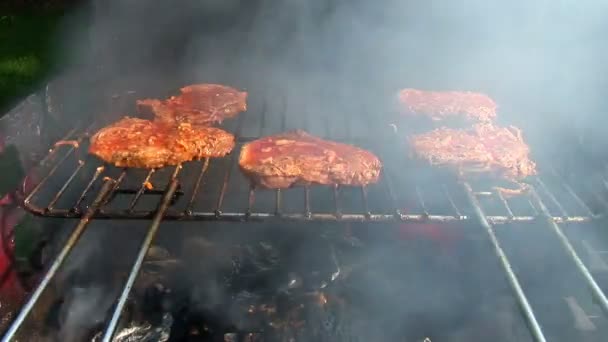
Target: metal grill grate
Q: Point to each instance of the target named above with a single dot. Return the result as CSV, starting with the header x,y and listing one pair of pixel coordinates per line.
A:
x,y
215,190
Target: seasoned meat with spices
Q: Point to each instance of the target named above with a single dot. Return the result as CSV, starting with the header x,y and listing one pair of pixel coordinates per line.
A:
x,y
444,105
139,143
483,148
199,104
296,157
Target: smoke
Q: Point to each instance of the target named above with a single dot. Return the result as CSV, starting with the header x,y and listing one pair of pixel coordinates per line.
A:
x,y
542,61
83,310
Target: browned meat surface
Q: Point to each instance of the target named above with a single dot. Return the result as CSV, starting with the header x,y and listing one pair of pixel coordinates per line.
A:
x,y
199,104
483,148
133,142
442,105
296,157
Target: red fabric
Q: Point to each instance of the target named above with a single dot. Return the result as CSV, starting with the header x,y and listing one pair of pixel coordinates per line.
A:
x,y
12,292
10,287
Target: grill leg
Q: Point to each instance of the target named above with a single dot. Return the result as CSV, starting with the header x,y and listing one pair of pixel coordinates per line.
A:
x,y
103,194
595,288
533,324
143,250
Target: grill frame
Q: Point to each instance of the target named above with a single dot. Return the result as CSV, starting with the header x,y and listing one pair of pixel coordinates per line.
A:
x,y
111,186
190,213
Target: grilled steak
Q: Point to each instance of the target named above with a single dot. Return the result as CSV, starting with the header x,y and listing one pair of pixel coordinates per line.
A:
x,y
296,157
133,142
440,106
483,148
199,104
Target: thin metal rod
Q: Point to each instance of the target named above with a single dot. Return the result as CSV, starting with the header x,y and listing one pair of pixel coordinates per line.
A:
x,y
534,210
197,185
143,250
277,203
251,199
505,203
307,211
98,172
141,190
421,201
49,174
552,197
229,161
595,288
54,150
573,193
451,200
65,185
364,199
389,190
533,324
65,251
220,199
337,207
118,180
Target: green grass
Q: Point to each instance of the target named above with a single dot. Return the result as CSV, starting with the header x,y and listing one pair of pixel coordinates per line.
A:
x,y
27,57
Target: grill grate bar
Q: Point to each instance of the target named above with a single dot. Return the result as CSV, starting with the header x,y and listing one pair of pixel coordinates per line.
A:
x,y
227,174
595,288
307,211
65,185
108,187
145,246
197,185
522,300
141,190
573,193
53,151
98,171
250,201
368,213
336,196
220,199
48,176
504,201
391,195
551,197
421,201
119,180
447,194
277,202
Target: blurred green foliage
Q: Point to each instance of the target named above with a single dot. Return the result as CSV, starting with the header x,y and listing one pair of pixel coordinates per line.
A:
x,y
26,53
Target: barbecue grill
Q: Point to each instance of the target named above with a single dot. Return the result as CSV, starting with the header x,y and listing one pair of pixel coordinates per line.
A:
x,y
74,185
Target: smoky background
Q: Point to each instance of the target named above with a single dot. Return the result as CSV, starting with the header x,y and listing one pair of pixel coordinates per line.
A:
x,y
543,62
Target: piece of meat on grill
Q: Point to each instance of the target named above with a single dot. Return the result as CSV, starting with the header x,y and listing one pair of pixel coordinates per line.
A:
x,y
199,104
298,158
444,105
133,142
483,148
